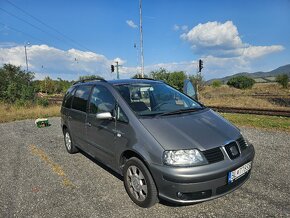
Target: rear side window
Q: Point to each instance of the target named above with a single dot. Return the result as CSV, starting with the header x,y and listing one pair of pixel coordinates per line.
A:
x,y
68,97
81,98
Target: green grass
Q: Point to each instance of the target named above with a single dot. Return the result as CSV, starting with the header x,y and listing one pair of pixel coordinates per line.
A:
x,y
259,121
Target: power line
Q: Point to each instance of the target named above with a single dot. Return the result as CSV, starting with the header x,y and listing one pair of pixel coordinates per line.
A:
x,y
20,31
48,26
36,27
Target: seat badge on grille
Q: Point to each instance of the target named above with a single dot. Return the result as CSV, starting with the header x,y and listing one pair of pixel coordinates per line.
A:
x,y
234,150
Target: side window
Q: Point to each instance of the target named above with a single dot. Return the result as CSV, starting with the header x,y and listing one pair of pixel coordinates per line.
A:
x,y
68,97
81,97
101,100
121,115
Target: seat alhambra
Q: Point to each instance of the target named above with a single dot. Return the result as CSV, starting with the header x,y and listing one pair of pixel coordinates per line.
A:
x,y
165,144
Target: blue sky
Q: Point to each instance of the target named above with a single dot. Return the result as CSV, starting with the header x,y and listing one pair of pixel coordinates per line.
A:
x,y
72,38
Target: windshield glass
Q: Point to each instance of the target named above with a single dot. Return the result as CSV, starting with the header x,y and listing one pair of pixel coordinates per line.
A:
x,y
155,98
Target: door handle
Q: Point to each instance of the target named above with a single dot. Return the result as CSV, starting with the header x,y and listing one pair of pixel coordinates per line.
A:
x,y
88,124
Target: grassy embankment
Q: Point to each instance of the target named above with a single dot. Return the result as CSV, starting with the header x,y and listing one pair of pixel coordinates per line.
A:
x,y
11,113
262,95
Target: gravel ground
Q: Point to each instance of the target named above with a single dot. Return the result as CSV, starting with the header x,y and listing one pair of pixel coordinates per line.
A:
x,y
38,178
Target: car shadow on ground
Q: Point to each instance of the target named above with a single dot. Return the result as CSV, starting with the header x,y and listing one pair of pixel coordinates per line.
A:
x,y
118,176
103,166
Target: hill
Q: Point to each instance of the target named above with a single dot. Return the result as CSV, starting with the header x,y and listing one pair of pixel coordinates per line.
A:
x,y
259,76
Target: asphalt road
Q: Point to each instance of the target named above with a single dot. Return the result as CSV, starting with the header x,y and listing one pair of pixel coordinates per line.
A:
x,y
38,178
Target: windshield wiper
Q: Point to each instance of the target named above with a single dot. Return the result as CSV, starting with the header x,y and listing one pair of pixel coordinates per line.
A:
x,y
180,111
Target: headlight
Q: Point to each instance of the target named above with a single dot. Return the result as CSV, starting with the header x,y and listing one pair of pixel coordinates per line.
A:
x,y
183,158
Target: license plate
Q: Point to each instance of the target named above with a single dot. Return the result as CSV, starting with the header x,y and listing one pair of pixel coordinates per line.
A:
x,y
236,174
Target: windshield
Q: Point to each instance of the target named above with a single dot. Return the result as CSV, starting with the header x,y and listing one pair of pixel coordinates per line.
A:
x,y
147,99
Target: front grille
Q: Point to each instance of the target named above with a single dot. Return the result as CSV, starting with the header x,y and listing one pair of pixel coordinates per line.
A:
x,y
213,155
242,143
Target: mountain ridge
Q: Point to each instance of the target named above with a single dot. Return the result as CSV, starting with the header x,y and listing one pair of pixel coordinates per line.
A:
x,y
285,69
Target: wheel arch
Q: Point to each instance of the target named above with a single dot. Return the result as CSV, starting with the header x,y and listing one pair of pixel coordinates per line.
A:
x,y
126,155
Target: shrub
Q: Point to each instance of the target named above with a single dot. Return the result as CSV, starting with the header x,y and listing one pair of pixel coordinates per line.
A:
x,y
42,102
241,82
216,83
19,103
283,80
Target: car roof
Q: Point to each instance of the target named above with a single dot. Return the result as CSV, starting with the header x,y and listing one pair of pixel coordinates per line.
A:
x,y
132,81
117,82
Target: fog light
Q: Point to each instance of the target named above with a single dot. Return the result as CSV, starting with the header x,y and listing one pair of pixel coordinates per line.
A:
x,y
180,195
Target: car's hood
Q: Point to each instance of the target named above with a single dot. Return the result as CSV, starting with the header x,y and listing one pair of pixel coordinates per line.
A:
x,y
203,130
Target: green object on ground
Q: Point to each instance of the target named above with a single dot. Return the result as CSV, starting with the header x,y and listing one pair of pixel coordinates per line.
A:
x,y
42,122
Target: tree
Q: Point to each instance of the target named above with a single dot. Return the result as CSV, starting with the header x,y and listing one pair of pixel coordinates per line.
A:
x,y
48,85
15,84
283,80
175,79
241,82
160,74
216,83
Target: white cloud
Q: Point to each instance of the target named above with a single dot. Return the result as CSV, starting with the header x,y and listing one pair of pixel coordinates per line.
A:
x,y
223,40
70,64
184,28
176,27
214,34
258,51
119,60
131,24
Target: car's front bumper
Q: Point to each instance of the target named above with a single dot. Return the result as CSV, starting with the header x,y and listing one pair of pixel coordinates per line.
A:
x,y
201,183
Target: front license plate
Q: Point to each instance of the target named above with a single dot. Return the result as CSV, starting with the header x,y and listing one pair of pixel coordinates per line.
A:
x,y
236,174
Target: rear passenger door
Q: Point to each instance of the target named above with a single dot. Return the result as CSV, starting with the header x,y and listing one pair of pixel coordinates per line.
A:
x,y
78,114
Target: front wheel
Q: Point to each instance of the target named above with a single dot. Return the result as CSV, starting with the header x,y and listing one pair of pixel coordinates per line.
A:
x,y
68,142
139,183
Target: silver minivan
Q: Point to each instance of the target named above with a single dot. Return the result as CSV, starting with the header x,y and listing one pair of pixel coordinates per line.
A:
x,y
165,144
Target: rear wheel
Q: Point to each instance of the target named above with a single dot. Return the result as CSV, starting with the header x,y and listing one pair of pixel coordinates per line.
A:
x,y
139,183
68,142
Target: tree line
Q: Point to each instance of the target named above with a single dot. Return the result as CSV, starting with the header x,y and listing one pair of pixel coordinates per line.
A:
x,y
18,86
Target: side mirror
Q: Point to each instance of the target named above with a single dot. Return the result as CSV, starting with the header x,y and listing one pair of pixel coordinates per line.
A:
x,y
104,116
189,89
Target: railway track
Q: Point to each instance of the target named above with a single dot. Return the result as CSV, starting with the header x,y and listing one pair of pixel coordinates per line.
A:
x,y
258,111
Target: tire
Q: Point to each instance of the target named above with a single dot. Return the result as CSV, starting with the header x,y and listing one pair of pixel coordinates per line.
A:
x,y
139,183
68,142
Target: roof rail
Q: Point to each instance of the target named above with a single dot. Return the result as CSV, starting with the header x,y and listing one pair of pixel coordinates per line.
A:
x,y
145,78
87,80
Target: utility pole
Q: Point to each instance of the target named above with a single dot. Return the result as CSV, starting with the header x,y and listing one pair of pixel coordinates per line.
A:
x,y
26,60
117,69
141,40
